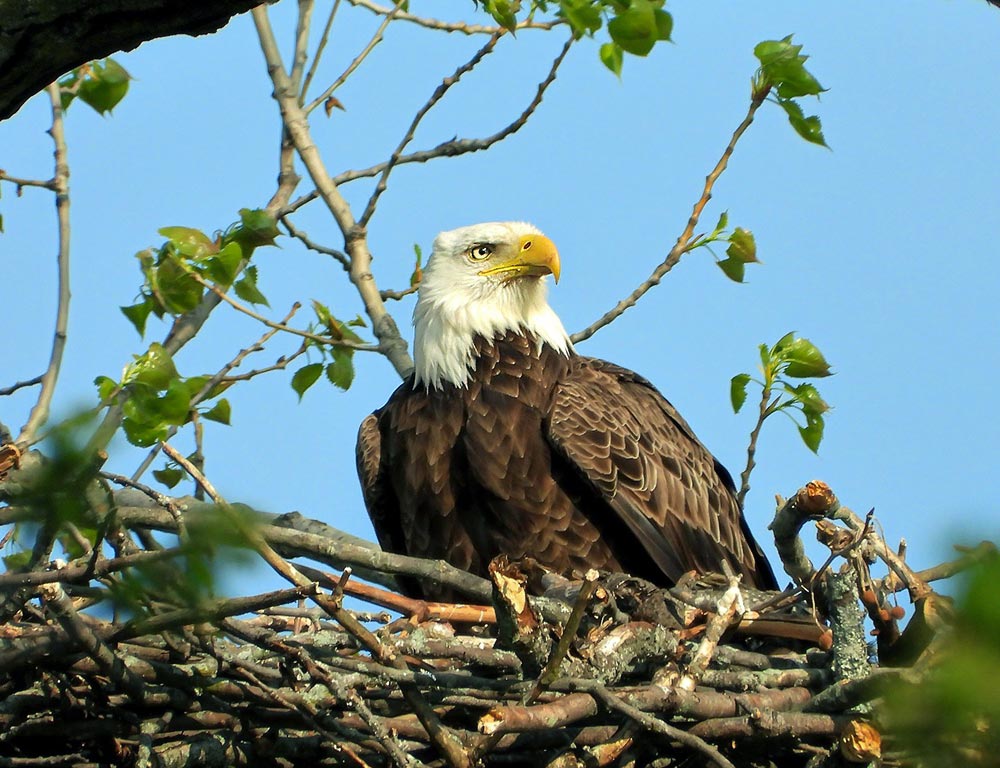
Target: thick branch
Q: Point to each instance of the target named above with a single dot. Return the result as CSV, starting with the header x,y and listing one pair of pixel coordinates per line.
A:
x,y
42,40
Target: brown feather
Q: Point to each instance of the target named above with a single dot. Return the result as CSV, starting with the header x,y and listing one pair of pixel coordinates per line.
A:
x,y
573,461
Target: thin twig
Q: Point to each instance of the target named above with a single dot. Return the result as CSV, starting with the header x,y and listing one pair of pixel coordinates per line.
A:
x,y
280,326
451,148
300,235
764,412
374,41
302,24
397,295
21,183
438,94
681,246
319,51
192,470
452,26
20,385
40,413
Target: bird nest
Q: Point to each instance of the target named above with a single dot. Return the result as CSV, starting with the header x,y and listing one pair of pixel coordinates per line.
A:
x,y
600,670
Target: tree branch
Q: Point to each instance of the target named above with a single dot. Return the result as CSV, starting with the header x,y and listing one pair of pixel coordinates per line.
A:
x,y
60,180
681,246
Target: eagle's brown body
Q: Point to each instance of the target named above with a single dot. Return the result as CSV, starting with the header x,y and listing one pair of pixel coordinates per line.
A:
x,y
567,459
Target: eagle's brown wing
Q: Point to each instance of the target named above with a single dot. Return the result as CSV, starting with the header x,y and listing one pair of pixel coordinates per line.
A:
x,y
634,448
375,486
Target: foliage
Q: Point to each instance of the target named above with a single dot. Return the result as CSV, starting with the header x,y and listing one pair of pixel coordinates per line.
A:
x,y
100,84
782,73
790,357
952,718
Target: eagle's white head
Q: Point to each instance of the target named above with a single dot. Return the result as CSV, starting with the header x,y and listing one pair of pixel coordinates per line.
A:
x,y
482,280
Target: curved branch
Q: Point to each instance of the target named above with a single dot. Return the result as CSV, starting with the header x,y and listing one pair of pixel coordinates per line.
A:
x,y
60,183
681,246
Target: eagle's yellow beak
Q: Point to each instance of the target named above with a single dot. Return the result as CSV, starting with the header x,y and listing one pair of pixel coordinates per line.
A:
x,y
536,256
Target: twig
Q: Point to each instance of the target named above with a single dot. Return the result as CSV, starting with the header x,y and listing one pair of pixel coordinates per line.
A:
x,y
329,341
681,246
221,376
448,26
319,51
192,470
374,41
21,183
298,234
765,409
452,148
438,94
397,295
728,611
164,501
40,413
20,385
391,343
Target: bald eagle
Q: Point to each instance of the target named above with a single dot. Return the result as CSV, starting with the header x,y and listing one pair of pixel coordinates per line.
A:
x,y
505,441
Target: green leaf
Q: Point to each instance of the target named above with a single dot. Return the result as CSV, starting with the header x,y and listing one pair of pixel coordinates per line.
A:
x,y
733,269
812,432
106,388
784,66
219,412
174,406
720,225
809,128
257,227
738,390
18,561
801,358
612,56
246,289
137,314
143,435
169,476
155,368
807,396
305,377
189,242
176,289
742,246
635,29
503,11
664,24
341,371
104,86
583,16
225,265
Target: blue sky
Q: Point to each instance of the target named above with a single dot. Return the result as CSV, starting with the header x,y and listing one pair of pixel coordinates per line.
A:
x,y
881,251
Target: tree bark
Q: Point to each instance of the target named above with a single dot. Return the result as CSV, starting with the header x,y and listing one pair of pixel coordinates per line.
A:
x,y
39,41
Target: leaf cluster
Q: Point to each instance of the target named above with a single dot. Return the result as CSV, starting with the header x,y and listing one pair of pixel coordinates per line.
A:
x,y
337,361
101,85
783,74
792,357
633,26
742,248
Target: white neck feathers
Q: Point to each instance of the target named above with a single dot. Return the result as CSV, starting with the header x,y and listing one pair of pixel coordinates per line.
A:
x,y
447,323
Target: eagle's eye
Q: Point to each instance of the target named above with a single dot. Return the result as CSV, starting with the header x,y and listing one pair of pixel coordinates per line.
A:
x,y
480,251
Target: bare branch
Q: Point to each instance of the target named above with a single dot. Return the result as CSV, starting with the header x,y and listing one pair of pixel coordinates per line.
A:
x,y
452,26
22,183
280,326
300,235
369,47
391,343
397,295
40,413
20,385
438,94
683,242
302,25
319,51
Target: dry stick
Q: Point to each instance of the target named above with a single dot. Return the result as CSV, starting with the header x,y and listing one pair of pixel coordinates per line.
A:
x,y
219,377
448,744
447,26
391,343
86,569
329,341
163,500
374,41
728,611
319,51
40,413
438,94
654,724
681,246
451,148
109,663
